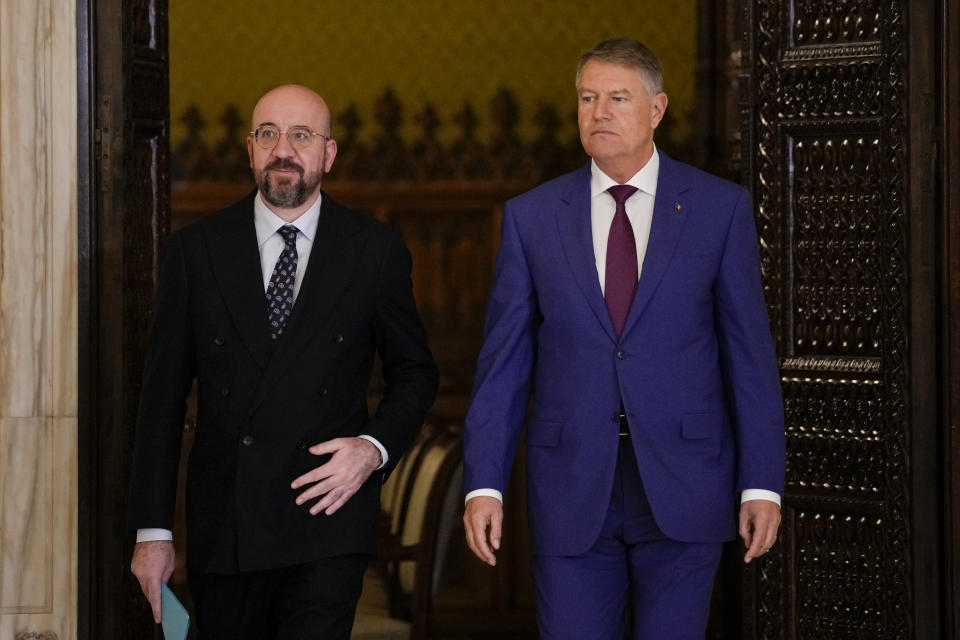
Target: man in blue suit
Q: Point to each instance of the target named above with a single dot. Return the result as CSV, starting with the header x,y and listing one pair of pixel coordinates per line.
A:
x,y
627,304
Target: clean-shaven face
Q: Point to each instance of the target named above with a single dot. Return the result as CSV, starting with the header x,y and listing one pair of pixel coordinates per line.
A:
x,y
617,117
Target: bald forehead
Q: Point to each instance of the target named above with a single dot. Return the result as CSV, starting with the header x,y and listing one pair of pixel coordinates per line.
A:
x,y
292,105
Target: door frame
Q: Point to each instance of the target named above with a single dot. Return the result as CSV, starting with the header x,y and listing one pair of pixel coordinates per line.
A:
x,y
98,547
949,253
118,71
87,557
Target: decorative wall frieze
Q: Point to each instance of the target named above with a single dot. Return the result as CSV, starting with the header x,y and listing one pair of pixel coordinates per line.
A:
x,y
386,155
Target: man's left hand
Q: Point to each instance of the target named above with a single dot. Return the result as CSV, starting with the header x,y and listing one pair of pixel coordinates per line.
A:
x,y
759,520
352,462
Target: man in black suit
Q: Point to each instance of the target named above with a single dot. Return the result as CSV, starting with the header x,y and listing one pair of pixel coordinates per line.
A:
x,y
276,306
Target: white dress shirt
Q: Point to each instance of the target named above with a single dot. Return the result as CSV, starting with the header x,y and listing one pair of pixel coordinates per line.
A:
x,y
271,244
639,208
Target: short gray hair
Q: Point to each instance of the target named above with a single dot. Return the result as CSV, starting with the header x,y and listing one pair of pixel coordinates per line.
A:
x,y
629,53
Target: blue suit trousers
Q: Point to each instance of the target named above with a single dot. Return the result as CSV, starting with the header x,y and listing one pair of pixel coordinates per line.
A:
x,y
667,583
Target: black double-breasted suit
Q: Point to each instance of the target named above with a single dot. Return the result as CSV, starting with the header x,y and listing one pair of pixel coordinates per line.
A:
x,y
263,402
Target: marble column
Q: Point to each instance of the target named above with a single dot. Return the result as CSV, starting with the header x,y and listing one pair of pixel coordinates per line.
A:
x,y
38,320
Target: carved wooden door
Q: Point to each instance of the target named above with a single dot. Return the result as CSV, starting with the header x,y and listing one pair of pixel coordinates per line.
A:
x,y
124,217
833,98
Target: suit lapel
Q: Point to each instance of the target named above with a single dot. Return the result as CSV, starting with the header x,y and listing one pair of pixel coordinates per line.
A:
x,y
665,230
235,259
332,260
573,220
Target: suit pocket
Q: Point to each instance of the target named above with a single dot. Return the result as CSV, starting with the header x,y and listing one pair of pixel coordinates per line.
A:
x,y
696,426
544,433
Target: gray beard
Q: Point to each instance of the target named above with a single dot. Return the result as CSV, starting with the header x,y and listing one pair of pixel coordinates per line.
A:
x,y
288,195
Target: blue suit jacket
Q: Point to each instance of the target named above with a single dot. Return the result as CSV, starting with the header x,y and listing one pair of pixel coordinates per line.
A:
x,y
695,365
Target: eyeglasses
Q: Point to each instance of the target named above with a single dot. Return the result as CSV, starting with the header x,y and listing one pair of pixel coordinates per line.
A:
x,y
267,136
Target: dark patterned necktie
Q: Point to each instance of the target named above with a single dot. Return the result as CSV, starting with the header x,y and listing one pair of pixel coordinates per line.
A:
x,y
280,288
620,280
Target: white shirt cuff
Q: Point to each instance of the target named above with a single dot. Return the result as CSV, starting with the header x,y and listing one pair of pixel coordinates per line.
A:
x,y
383,452
151,535
490,493
760,494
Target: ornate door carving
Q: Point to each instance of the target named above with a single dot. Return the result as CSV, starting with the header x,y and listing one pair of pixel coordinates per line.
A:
x,y
826,121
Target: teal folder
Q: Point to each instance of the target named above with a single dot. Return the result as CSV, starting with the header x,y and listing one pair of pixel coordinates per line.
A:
x,y
173,616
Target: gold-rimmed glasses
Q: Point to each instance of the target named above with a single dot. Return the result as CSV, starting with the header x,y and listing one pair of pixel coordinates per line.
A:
x,y
267,136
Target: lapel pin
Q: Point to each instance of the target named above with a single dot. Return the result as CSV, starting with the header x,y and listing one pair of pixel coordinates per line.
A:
x,y
679,208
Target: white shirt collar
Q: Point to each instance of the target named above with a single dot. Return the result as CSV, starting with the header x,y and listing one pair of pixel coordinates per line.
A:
x,y
645,180
267,222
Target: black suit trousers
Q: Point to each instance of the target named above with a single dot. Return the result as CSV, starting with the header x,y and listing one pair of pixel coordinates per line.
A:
x,y
305,601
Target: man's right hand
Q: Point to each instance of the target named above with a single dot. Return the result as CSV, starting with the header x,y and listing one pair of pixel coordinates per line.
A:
x,y
153,565
482,520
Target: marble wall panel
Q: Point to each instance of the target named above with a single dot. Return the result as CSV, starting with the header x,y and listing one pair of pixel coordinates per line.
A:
x,y
25,516
38,319
38,236
38,524
61,242
24,205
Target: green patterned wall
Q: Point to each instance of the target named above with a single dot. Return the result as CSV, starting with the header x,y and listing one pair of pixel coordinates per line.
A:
x,y
442,52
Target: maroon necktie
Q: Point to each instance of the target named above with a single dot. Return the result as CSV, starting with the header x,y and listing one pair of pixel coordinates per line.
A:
x,y
621,275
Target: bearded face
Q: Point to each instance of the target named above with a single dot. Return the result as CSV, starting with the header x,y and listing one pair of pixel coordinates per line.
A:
x,y
283,183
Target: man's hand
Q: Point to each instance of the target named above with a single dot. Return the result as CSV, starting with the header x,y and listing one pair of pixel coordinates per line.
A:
x,y
352,462
483,513
759,520
152,563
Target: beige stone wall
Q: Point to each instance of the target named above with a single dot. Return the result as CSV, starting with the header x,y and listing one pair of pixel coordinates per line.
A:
x,y
38,319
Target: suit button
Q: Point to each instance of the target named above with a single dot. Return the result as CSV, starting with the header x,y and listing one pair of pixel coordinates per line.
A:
x,y
615,416
621,354
338,338
218,341
322,391
225,391
247,441
302,445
